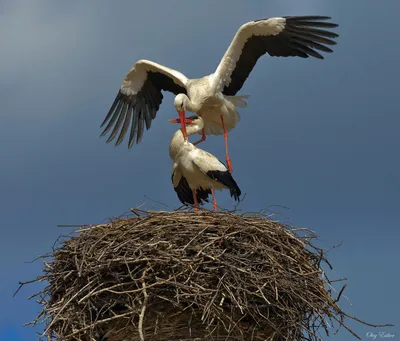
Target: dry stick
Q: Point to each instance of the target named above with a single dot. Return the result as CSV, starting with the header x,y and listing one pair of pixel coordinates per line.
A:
x,y
252,249
141,316
94,292
21,284
138,290
347,328
337,280
198,234
98,322
65,305
366,323
340,293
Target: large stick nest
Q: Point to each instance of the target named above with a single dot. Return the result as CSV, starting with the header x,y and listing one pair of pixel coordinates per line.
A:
x,y
187,276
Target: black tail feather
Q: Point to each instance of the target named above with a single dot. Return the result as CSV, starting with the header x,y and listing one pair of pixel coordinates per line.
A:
x,y
225,178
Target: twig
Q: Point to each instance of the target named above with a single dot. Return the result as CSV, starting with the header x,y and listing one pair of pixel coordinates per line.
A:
x,y
340,293
65,305
158,271
146,296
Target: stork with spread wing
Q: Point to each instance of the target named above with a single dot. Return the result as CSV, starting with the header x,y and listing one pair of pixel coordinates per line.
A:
x,y
213,97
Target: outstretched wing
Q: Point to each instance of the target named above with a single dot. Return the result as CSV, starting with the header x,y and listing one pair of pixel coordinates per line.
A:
x,y
184,192
139,99
300,36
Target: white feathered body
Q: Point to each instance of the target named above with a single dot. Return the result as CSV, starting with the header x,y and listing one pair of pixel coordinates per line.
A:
x,y
210,106
193,163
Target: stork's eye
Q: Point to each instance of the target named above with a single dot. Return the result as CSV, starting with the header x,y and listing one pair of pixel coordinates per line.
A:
x,y
182,104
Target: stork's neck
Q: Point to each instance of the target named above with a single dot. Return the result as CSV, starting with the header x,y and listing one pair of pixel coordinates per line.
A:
x,y
192,107
178,142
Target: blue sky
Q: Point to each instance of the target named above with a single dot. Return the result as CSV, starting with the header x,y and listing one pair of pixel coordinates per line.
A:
x,y
319,137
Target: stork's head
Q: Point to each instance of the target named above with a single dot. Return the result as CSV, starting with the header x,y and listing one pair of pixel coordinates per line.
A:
x,y
180,102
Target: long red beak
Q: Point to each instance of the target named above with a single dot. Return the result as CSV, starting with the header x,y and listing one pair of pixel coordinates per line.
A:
x,y
178,120
183,121
183,124
174,120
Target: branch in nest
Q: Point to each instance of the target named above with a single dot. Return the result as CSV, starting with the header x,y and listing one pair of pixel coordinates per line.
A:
x,y
174,275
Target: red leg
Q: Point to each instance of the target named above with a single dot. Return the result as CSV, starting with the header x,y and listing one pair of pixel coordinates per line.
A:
x,y
214,200
228,159
203,137
196,204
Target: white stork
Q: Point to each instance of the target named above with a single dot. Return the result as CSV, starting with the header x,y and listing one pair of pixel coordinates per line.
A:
x,y
196,173
213,97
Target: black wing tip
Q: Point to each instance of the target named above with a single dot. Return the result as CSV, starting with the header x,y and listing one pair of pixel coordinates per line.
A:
x,y
202,194
225,178
185,193
201,201
308,17
311,20
332,43
103,133
116,116
236,194
117,143
112,115
110,139
315,17
112,108
302,18
305,40
235,191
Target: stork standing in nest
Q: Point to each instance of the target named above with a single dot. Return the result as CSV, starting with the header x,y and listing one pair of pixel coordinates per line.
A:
x,y
195,172
213,97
